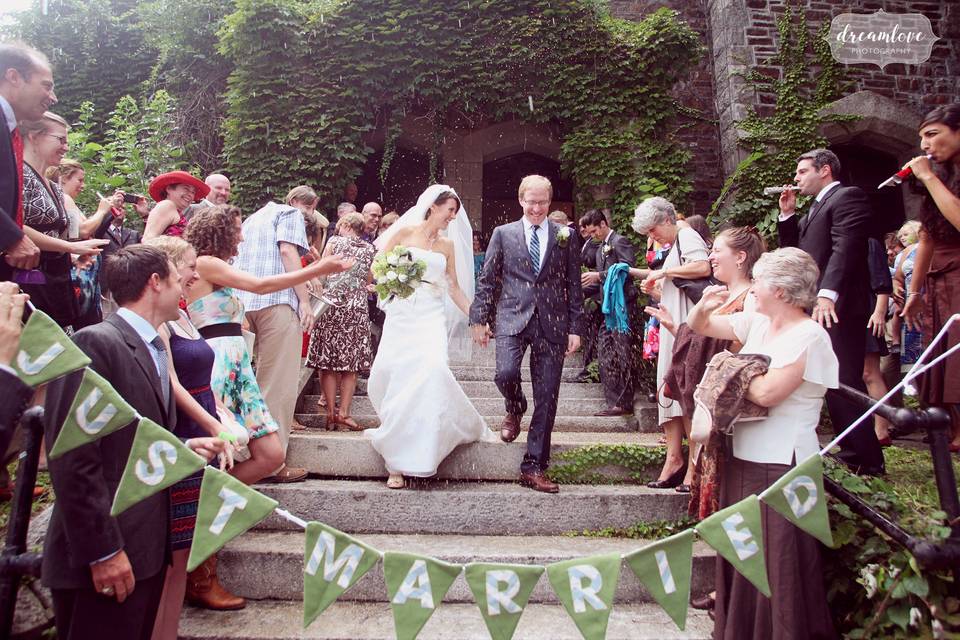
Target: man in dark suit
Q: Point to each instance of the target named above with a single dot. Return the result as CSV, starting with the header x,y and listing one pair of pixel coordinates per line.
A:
x,y
616,350
835,233
592,301
119,236
531,284
26,92
106,573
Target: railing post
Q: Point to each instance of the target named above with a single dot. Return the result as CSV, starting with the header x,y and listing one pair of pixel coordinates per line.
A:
x,y
14,561
937,423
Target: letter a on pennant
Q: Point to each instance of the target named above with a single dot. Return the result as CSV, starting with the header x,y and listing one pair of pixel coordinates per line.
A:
x,y
227,509
415,585
736,535
502,591
46,352
97,410
586,586
157,460
333,562
800,498
665,569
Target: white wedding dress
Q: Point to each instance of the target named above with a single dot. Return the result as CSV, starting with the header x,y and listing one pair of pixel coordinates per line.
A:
x,y
424,414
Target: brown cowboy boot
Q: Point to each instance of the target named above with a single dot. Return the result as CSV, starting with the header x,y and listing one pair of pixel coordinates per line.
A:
x,y
206,592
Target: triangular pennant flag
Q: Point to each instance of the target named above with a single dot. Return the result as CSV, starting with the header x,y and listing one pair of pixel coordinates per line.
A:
x,y
97,410
45,351
416,586
501,592
157,460
736,534
799,497
665,568
586,586
227,509
333,562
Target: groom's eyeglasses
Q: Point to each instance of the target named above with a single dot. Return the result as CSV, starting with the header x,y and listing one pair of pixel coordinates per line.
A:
x,y
537,203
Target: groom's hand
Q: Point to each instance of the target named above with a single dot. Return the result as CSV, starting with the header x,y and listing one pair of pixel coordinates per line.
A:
x,y
573,343
481,334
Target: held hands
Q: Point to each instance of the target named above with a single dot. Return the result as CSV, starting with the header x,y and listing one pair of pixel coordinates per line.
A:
x,y
922,168
481,334
573,343
23,255
11,320
825,313
788,201
113,577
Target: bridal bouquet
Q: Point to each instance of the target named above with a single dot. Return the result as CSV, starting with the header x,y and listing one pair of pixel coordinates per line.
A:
x,y
398,273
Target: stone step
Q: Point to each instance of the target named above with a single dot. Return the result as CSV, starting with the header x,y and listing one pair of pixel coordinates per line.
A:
x,y
487,389
488,356
280,620
487,372
263,565
647,422
491,405
488,508
350,454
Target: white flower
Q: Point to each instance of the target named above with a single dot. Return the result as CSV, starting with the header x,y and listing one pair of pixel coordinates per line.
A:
x,y
868,579
391,275
402,277
915,616
393,260
563,233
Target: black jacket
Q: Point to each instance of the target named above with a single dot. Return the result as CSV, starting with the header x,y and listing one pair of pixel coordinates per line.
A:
x,y
119,238
615,249
11,188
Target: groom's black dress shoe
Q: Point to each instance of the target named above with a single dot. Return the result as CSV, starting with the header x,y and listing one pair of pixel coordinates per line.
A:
x,y
537,481
510,427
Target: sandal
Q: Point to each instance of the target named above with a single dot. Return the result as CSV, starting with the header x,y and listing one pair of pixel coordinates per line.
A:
x,y
330,424
395,481
349,423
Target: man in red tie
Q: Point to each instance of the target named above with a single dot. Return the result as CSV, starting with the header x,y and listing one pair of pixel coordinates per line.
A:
x,y
26,92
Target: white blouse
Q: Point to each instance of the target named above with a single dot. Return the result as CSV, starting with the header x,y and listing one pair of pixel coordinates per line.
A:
x,y
790,428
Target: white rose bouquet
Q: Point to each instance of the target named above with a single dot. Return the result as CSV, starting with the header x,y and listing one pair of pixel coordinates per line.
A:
x,y
397,273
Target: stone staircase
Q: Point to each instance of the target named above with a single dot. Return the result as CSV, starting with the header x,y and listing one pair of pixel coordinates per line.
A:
x,y
472,511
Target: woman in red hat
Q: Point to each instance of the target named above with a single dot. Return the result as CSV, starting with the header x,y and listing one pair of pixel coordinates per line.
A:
x,y
173,192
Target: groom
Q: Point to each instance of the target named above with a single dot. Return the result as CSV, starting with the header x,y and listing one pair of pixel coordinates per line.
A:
x,y
531,285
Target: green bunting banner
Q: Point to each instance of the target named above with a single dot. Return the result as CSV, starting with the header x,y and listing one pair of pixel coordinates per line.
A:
x,y
735,533
97,410
665,568
227,509
332,563
586,586
157,460
799,497
415,585
502,591
46,352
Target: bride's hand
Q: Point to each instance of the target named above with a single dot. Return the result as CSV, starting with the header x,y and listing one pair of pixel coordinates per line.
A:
x,y
481,334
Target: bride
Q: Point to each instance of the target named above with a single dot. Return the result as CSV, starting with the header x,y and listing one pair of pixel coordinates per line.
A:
x,y
424,414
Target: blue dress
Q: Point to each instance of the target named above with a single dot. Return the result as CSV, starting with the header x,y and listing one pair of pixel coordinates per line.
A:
x,y
193,361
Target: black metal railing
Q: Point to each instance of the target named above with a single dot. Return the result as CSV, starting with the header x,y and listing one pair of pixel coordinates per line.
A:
x,y
936,422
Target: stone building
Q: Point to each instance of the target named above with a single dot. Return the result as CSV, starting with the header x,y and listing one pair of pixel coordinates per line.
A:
x,y
486,163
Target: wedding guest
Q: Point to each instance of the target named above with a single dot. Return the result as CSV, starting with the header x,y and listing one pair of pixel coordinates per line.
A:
x,y
372,213
106,573
592,302
26,92
340,342
911,338
835,233
342,209
190,364
618,348
47,223
478,256
936,272
699,224
173,192
802,367
687,260
881,287
217,311
219,194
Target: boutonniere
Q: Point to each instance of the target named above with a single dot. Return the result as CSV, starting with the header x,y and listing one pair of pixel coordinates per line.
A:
x,y
563,236
607,249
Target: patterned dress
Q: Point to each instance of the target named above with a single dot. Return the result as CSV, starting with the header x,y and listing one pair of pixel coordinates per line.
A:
x,y
233,380
340,340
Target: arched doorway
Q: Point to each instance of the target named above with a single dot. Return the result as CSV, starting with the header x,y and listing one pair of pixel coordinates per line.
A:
x,y
865,167
501,180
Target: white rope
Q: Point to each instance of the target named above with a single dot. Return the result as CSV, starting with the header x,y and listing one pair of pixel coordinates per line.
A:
x,y
915,371
289,517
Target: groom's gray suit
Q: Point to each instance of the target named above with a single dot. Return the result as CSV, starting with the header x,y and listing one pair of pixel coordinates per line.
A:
x,y
539,311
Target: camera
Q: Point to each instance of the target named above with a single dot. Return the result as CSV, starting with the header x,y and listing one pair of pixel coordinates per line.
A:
x,y
132,198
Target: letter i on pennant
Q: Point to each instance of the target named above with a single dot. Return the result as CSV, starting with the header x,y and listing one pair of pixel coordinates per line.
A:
x,y
227,509
333,562
502,592
665,569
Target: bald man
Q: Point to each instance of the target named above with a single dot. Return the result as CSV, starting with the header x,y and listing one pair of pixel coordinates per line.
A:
x,y
219,194
372,213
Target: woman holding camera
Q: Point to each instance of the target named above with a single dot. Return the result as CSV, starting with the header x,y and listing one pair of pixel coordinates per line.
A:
x,y
173,192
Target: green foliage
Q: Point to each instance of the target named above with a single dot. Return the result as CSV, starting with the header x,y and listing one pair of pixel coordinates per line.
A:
x,y
591,464
809,81
876,588
312,80
655,530
98,50
136,143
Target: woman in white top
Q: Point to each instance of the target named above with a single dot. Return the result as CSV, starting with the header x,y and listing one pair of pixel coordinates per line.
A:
x,y
802,368
687,259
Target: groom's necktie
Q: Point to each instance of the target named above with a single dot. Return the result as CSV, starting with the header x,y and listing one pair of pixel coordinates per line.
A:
x,y
535,249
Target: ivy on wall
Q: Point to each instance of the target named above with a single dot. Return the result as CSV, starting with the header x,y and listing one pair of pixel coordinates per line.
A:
x,y
312,79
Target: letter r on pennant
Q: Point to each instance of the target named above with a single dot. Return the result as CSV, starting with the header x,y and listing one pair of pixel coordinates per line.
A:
x,y
583,594
497,598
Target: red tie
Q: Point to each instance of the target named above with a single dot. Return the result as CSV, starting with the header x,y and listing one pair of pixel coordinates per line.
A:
x,y
17,142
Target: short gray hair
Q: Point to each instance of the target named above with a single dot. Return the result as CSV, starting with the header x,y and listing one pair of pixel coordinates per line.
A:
x,y
791,270
651,212
344,208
